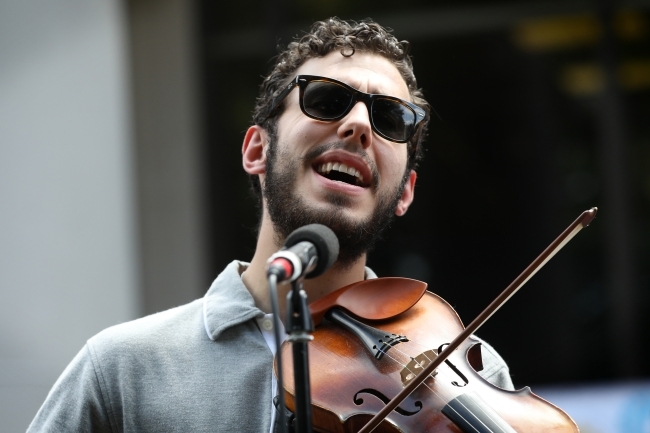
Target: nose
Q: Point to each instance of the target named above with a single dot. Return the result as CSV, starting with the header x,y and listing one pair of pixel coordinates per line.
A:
x,y
356,126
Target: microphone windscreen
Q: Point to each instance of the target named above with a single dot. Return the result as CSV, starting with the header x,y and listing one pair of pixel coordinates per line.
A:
x,y
323,239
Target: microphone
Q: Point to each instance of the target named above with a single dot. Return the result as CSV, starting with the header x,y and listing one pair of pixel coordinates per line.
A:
x,y
308,251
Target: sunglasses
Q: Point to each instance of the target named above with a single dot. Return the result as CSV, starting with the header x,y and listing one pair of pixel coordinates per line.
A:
x,y
327,99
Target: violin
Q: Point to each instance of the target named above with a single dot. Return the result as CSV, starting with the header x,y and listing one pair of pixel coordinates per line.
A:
x,y
388,356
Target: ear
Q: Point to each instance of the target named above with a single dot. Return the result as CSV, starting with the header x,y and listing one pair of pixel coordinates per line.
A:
x,y
254,150
407,195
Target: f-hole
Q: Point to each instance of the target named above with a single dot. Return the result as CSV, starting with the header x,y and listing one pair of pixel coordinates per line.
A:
x,y
454,369
358,400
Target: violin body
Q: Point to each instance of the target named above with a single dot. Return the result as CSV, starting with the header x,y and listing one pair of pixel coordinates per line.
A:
x,y
349,384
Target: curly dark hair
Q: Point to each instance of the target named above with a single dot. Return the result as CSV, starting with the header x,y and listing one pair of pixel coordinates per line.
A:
x,y
348,36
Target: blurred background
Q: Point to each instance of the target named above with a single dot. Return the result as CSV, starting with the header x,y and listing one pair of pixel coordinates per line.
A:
x,y
122,192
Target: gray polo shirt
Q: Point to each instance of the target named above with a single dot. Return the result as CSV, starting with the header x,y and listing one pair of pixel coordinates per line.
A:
x,y
201,367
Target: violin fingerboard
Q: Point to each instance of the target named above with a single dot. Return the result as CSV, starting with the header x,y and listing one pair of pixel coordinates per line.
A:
x,y
473,415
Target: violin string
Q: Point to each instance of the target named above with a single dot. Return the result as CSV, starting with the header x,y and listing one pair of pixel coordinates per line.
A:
x,y
444,373
405,366
441,372
441,397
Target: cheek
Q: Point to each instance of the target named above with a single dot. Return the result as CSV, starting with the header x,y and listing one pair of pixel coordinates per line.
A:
x,y
394,162
300,131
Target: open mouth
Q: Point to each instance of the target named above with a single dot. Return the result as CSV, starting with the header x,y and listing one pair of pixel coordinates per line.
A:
x,y
339,172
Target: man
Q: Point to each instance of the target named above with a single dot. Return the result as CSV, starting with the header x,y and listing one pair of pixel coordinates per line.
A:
x,y
321,150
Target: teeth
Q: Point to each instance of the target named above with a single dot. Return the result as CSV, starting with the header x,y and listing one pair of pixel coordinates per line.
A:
x,y
338,166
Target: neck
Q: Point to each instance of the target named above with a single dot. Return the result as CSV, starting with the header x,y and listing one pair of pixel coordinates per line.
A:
x,y
254,277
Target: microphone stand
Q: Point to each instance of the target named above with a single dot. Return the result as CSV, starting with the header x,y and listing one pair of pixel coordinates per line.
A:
x,y
299,326
300,254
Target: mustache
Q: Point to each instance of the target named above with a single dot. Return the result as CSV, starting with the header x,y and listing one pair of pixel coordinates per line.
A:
x,y
348,147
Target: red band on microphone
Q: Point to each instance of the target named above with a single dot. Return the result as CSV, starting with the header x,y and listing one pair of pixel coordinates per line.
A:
x,y
283,263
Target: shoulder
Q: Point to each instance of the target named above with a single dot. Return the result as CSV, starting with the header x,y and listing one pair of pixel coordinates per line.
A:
x,y
165,330
75,402
88,395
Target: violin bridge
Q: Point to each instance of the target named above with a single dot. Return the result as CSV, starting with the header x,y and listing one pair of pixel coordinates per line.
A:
x,y
416,365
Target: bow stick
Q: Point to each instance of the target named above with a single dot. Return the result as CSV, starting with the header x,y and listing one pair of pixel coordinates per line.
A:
x,y
583,221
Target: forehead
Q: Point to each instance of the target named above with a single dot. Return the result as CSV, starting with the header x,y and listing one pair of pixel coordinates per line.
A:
x,y
368,72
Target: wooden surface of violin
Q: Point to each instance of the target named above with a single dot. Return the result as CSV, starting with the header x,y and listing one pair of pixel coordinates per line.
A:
x,y
349,384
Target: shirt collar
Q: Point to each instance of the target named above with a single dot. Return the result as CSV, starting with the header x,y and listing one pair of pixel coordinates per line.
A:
x,y
229,303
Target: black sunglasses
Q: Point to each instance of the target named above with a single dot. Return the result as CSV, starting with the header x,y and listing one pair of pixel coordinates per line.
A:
x,y
323,98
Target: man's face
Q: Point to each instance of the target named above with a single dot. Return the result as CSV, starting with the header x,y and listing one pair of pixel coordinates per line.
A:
x,y
302,184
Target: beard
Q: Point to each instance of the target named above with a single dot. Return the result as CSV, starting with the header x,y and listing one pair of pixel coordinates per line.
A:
x,y
289,211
